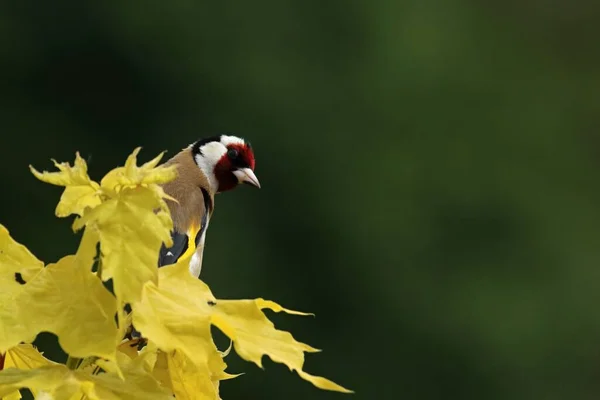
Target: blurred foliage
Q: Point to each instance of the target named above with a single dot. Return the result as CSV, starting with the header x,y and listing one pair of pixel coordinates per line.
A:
x,y
429,172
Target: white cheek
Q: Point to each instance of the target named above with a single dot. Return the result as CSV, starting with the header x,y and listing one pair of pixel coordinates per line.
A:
x,y
211,154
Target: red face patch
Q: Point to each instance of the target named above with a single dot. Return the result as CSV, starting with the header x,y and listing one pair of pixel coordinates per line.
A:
x,y
238,156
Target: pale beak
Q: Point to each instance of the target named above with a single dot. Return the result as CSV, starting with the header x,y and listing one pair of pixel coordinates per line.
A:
x,y
247,175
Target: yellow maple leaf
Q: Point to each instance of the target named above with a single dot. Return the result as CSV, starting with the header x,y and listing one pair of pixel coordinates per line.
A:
x,y
254,335
80,191
177,314
132,222
130,175
137,370
174,323
64,298
188,381
59,383
23,356
15,262
16,258
130,237
128,211
160,367
178,373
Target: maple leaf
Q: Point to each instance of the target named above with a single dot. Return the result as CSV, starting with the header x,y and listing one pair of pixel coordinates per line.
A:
x,y
130,236
253,336
177,313
133,222
160,366
188,381
23,356
80,191
129,212
175,320
130,175
64,298
16,259
59,383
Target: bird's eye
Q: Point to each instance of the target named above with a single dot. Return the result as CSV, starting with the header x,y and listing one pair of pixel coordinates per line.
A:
x,y
232,153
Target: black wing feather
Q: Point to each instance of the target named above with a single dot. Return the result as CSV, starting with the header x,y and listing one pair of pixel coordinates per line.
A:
x,y
203,224
171,255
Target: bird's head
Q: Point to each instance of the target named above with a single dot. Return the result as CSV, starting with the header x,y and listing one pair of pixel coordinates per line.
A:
x,y
226,161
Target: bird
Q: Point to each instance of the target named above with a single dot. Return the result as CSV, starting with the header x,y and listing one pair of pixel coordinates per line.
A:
x,y
205,168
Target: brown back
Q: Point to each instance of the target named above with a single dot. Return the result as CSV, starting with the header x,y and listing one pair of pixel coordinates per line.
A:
x,y
186,188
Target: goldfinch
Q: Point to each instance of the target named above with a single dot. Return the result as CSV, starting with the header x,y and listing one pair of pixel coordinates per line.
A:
x,y
205,168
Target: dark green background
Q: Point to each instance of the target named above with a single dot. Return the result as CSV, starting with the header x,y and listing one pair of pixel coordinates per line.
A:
x,y
430,173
